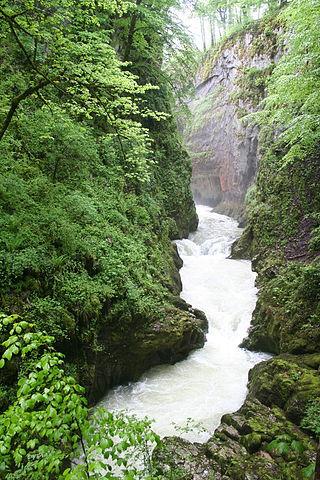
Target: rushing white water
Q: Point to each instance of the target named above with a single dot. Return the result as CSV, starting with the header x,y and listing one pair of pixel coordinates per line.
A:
x,y
212,380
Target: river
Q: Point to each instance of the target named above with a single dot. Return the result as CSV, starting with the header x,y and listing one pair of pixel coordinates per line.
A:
x,y
212,380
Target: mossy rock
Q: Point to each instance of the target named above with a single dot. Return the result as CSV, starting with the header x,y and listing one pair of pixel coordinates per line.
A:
x,y
252,442
285,383
287,314
167,338
240,448
242,247
181,460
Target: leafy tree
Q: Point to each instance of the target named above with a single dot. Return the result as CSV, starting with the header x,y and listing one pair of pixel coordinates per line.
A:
x,y
292,107
63,48
48,432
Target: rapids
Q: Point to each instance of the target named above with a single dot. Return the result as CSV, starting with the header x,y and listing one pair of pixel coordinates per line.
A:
x,y
212,380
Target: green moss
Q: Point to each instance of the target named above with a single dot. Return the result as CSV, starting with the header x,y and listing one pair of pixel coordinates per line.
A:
x,y
287,316
251,85
285,383
252,442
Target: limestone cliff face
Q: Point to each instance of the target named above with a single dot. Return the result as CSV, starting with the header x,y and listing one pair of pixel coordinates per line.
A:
x,y
223,147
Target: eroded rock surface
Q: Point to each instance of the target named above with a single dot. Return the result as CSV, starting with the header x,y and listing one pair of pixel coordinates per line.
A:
x,y
224,149
262,440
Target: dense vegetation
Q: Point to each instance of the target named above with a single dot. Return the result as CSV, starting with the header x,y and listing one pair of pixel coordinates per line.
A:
x,y
284,205
94,185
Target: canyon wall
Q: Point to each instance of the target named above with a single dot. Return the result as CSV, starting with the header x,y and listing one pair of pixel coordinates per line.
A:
x,y
222,144
274,435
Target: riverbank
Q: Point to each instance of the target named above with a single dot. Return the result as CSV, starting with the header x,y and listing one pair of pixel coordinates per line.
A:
x,y
212,380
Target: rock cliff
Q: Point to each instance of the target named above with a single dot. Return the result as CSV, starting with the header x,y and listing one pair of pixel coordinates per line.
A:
x,y
224,149
273,435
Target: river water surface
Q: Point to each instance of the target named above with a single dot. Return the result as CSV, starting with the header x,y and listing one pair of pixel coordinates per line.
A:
x,y
212,380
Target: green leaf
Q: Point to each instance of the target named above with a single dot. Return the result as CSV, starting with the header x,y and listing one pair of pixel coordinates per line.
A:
x,y
308,472
7,354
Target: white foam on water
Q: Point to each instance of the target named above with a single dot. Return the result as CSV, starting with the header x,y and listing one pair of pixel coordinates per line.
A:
x,y
211,381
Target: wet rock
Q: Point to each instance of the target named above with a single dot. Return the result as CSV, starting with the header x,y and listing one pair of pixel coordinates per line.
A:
x,y
238,456
229,431
128,353
223,148
176,285
242,247
183,459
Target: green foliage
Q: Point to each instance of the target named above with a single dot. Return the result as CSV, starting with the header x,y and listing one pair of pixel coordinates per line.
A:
x,y
289,140
284,205
115,446
309,471
293,103
94,180
41,428
287,447
81,66
284,444
311,420
49,433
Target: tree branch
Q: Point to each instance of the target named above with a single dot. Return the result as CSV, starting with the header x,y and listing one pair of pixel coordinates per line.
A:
x,y
12,19
83,449
16,102
131,32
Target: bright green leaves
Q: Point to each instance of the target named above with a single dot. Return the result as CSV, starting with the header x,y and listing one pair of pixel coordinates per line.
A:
x,y
22,339
311,420
48,425
293,102
287,447
41,428
118,444
81,68
284,444
309,471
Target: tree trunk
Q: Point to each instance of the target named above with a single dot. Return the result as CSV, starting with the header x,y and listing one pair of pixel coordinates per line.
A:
x,y
203,34
230,16
132,28
212,31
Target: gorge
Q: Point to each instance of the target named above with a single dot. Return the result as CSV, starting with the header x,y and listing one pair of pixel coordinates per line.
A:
x,y
212,381
146,219
230,84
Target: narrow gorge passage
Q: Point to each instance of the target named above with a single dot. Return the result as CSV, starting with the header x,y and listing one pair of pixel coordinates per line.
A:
x,y
212,380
